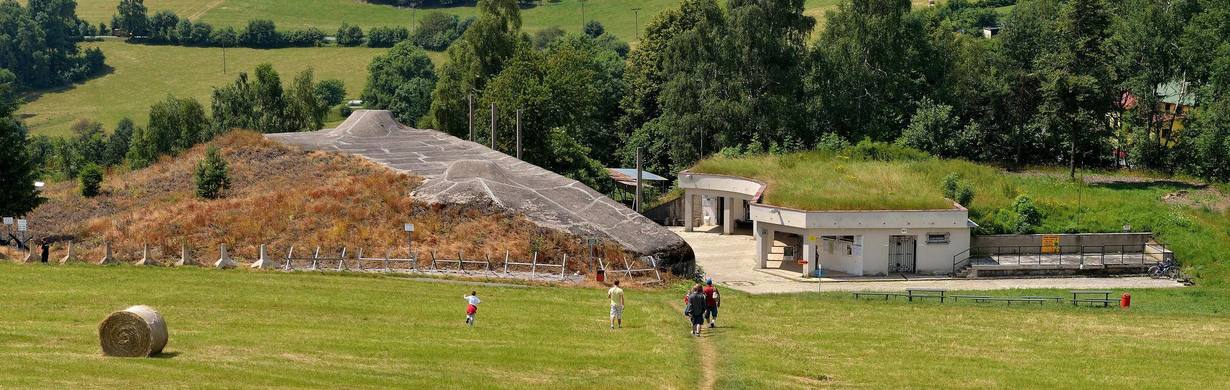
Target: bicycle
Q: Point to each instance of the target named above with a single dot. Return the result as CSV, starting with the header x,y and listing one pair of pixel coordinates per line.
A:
x,y
1168,269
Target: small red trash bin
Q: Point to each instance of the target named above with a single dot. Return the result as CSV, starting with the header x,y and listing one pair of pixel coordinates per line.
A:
x,y
1125,301
601,276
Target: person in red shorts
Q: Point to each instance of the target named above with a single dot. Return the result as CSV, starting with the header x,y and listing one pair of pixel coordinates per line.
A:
x,y
471,307
712,301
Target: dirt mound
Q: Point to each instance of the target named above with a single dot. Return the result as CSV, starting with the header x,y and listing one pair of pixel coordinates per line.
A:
x,y
282,196
456,171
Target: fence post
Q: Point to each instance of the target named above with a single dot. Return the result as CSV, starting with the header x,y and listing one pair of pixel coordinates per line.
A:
x,y
461,262
506,262
341,261
654,263
433,260
564,266
359,260
289,253
627,267
488,257
534,265
315,256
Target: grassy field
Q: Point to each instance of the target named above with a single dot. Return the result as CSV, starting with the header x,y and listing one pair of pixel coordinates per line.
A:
x,y
1196,225
616,15
143,75
241,329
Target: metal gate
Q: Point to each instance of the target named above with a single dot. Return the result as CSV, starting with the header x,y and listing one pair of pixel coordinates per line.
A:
x,y
901,254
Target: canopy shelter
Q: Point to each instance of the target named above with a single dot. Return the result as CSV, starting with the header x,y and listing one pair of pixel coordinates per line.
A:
x,y
625,178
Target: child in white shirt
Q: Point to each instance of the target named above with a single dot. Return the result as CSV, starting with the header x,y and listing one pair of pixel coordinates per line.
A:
x,y
471,307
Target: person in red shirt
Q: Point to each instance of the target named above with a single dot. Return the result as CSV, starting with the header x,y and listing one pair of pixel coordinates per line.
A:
x,y
712,301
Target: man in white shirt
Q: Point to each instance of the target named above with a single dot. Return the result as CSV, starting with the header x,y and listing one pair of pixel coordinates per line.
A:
x,y
617,305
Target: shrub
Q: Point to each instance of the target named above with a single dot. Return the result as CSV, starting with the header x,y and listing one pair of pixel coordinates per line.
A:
x,y
91,180
832,142
261,34
1026,211
951,184
965,196
349,35
879,151
211,175
386,36
332,91
594,29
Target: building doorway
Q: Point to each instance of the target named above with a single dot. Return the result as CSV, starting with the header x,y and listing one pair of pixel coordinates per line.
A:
x,y
901,254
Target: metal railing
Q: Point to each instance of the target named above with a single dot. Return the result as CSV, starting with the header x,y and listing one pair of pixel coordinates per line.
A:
x,y
1062,255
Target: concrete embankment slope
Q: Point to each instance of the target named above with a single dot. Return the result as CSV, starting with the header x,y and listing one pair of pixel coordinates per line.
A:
x,y
460,171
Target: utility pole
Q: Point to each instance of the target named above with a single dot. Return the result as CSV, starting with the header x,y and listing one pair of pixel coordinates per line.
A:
x,y
636,22
638,178
470,104
224,58
518,133
493,126
582,16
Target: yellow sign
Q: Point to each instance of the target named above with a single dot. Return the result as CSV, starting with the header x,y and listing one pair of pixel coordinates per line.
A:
x,y
1050,244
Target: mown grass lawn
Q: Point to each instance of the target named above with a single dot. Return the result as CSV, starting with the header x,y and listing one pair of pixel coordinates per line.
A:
x,y
143,75
1169,339
259,330
240,329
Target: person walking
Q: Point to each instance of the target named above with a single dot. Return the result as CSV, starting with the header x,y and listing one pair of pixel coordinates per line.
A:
x,y
712,300
616,295
696,312
472,302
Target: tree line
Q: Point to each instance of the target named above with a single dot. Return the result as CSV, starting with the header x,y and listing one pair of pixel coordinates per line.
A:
x,y
38,44
260,102
1051,88
435,32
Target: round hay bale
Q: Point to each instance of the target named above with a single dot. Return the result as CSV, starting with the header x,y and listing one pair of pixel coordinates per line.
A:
x,y
138,331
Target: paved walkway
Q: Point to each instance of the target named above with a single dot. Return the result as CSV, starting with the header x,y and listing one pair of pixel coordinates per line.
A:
x,y
730,260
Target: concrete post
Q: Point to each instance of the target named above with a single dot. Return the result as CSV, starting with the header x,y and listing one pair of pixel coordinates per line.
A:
x,y
264,262
145,258
764,243
185,257
809,253
71,256
107,259
728,215
687,211
224,261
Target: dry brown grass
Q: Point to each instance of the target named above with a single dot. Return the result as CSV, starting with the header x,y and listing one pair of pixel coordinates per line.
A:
x,y
283,196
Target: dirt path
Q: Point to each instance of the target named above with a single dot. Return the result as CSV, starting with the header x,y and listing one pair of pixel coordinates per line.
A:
x,y
208,7
708,355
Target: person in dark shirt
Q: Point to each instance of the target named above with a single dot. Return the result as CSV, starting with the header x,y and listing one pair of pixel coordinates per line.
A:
x,y
696,309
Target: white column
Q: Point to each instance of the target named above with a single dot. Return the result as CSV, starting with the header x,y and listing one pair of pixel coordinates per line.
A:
x,y
764,243
809,253
687,211
728,215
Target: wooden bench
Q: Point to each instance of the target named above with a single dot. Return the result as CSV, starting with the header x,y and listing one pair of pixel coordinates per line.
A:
x,y
1009,300
886,295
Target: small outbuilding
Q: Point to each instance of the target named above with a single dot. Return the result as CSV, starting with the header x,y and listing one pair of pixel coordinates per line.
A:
x,y
840,242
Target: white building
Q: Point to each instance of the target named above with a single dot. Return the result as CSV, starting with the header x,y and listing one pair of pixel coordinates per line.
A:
x,y
856,243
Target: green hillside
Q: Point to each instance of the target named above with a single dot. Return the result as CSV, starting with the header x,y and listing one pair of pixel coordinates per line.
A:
x,y
143,75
